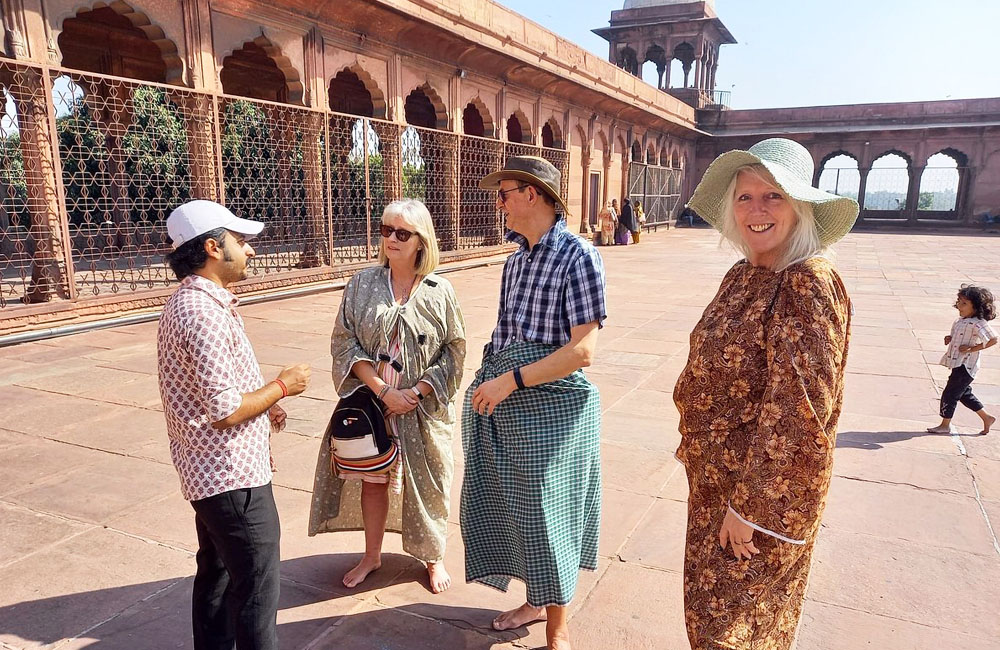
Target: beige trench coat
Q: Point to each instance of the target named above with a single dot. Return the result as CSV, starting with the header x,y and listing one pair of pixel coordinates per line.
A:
x,y
432,331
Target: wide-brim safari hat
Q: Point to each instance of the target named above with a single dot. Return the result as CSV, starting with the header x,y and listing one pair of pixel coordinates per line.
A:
x,y
792,168
530,169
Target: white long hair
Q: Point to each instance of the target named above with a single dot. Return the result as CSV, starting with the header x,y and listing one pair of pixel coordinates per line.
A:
x,y
803,241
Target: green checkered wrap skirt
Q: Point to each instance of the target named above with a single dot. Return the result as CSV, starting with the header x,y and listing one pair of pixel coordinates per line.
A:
x,y
531,497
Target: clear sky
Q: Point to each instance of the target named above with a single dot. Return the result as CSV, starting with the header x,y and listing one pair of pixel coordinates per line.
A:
x,y
818,52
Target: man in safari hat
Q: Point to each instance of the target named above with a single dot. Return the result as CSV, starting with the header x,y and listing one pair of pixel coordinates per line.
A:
x,y
531,420
219,414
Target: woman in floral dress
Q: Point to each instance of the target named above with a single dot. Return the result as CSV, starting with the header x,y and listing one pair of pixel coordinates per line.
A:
x,y
760,397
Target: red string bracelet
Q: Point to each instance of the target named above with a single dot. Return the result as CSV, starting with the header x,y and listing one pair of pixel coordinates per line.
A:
x,y
281,385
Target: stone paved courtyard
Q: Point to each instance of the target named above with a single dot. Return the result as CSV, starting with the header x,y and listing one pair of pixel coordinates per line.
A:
x,y
96,544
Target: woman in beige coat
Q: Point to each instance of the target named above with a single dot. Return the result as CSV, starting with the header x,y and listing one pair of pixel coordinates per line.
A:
x,y
400,331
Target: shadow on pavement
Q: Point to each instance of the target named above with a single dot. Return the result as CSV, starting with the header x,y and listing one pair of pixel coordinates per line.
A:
x,y
876,439
155,615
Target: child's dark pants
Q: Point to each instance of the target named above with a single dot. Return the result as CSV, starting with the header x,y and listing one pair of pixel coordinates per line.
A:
x,y
958,389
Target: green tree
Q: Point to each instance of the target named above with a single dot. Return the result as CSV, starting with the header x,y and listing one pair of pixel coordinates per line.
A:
x,y
85,164
156,154
926,201
249,167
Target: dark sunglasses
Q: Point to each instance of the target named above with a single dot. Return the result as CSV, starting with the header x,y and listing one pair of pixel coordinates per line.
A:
x,y
503,193
401,234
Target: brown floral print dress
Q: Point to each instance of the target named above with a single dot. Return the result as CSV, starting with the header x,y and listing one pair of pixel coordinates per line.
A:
x,y
759,401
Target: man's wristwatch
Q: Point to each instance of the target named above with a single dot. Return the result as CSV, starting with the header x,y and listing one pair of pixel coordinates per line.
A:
x,y
417,391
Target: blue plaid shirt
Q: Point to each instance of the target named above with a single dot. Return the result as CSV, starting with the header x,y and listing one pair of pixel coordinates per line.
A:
x,y
545,291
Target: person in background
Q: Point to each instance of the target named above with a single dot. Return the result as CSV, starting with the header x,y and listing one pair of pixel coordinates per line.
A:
x,y
640,219
606,225
627,225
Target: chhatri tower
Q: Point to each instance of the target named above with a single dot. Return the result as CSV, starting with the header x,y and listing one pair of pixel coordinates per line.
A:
x,y
660,31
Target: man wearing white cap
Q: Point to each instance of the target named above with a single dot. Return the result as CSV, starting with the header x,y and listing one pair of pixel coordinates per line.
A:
x,y
219,414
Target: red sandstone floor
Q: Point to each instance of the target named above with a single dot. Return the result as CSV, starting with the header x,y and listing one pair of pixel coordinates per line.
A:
x,y
96,545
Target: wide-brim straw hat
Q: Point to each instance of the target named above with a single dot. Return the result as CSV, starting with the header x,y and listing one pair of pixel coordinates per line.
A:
x,y
792,168
530,169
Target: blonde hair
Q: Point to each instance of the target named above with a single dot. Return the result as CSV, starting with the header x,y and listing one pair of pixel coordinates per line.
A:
x,y
417,214
803,242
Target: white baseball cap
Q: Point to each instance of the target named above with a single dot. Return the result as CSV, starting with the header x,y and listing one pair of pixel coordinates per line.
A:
x,y
195,218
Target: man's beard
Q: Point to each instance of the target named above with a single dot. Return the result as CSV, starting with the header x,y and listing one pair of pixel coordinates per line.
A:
x,y
236,274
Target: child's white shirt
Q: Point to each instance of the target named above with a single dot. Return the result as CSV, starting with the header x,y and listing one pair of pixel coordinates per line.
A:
x,y
967,331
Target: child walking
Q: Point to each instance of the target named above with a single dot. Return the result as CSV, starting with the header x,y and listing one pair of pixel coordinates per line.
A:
x,y
970,334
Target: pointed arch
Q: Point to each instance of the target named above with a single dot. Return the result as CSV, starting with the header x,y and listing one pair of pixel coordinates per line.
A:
x,y
552,134
424,107
622,145
888,181
651,154
489,129
581,134
94,37
839,174
941,181
604,144
354,91
636,151
519,128
259,70
834,154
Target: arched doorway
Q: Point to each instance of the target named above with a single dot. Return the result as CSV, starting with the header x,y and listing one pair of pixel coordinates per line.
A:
x,y
472,121
117,40
940,184
552,135
476,119
519,128
680,77
353,92
888,184
839,175
424,108
258,70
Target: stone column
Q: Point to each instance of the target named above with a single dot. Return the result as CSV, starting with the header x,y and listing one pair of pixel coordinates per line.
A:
x,y
51,269
200,124
448,240
863,172
606,176
666,74
913,193
315,252
961,193
389,136
15,37
585,157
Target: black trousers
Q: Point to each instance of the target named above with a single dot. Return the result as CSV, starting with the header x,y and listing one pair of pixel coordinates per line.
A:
x,y
236,587
958,389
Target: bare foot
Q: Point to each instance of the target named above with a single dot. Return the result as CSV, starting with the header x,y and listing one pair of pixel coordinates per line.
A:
x,y
519,617
559,640
987,423
357,575
560,643
940,429
439,578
